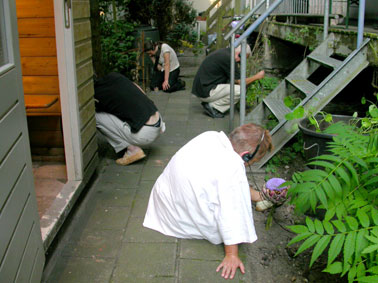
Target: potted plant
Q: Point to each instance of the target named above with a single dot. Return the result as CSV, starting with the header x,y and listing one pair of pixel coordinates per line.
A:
x,y
346,187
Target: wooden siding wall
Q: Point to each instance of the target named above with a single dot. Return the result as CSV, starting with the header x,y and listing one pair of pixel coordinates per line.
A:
x,y
36,30
84,75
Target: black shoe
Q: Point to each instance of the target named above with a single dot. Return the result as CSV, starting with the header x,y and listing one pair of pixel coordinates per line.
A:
x,y
212,112
182,83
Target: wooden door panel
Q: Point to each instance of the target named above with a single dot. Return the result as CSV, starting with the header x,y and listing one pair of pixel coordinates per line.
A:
x,y
10,170
10,126
12,211
9,95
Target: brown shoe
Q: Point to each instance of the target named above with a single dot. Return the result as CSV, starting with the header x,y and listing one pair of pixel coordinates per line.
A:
x,y
128,159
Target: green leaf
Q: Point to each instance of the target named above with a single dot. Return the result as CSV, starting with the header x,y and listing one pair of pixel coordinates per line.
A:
x,y
307,244
361,242
371,181
298,229
352,273
313,200
341,172
310,224
340,210
334,268
364,218
319,248
335,184
352,222
374,215
322,164
335,247
319,227
328,227
299,238
370,249
373,270
339,225
322,197
330,214
349,246
368,279
352,170
372,239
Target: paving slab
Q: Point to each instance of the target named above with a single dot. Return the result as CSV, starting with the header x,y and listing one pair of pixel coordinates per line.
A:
x,y
145,261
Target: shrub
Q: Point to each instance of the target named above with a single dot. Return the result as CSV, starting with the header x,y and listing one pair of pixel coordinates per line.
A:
x,y
345,187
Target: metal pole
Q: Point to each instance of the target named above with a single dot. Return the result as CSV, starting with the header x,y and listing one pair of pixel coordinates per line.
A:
x,y
257,22
326,19
244,19
361,20
232,84
243,68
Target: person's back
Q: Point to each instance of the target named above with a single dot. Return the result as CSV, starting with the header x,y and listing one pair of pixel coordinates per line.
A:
x,y
203,193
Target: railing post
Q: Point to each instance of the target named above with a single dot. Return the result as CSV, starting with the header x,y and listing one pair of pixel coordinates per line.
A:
x,y
361,20
326,19
232,84
243,69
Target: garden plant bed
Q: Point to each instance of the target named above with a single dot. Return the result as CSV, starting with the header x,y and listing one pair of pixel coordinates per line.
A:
x,y
270,259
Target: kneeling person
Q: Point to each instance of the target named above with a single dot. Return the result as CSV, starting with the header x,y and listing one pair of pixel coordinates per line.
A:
x,y
126,116
203,193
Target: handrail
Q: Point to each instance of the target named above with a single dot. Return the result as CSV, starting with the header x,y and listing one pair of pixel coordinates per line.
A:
x,y
207,12
244,19
257,22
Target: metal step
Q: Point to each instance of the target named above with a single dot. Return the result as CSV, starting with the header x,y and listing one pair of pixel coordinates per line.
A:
x,y
317,96
277,107
325,60
301,84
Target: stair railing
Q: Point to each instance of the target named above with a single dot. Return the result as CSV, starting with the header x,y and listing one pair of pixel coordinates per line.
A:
x,y
231,36
243,60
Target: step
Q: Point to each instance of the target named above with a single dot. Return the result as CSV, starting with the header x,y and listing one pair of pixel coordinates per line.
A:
x,y
277,106
325,60
301,84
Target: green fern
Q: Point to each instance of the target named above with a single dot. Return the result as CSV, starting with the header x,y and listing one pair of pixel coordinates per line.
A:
x,y
345,185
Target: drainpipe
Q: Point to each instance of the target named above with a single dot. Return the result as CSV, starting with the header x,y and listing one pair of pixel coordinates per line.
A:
x,y
361,20
326,19
243,68
232,84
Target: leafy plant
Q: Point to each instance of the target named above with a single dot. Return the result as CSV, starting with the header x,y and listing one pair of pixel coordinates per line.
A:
x,y
259,89
117,42
346,189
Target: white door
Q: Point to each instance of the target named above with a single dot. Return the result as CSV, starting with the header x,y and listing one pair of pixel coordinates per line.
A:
x,y
22,255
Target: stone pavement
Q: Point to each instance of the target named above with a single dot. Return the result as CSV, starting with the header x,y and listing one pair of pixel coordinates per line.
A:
x,y
104,240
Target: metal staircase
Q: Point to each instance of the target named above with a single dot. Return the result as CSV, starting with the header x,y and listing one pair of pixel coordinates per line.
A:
x,y
314,95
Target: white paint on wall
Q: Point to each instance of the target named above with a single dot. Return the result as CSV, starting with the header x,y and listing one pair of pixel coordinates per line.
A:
x,y
200,5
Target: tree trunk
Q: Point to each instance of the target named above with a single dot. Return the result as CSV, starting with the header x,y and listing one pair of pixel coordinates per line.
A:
x,y
96,38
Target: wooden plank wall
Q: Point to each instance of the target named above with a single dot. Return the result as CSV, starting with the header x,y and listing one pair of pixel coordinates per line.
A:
x,y
85,87
36,30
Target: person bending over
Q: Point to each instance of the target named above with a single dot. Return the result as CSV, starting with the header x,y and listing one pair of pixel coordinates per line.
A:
x,y
212,81
126,117
166,67
203,193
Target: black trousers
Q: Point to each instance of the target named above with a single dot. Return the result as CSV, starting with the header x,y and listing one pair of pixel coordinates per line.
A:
x,y
173,80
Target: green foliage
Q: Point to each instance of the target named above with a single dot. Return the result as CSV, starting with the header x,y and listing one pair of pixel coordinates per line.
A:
x,y
346,188
259,89
117,43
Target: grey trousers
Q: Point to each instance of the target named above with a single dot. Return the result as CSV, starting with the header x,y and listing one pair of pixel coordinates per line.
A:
x,y
119,135
220,97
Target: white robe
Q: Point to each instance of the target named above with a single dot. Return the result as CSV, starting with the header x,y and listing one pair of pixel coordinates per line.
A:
x,y
203,193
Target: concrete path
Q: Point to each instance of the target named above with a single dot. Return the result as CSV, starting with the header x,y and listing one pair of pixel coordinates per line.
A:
x,y
104,240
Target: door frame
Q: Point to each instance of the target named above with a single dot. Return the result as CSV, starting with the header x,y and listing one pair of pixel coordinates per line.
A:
x,y
68,89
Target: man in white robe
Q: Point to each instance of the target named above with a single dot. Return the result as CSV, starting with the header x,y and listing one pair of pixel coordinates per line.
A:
x,y
203,192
